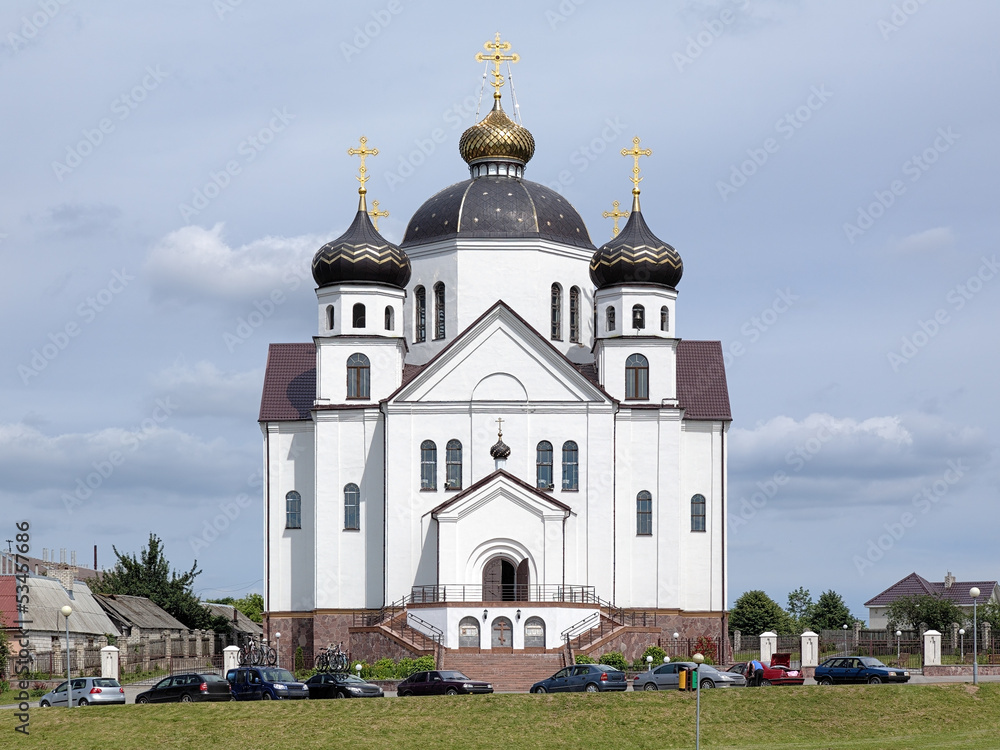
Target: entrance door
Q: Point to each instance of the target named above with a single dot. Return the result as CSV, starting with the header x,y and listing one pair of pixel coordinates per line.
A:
x,y
521,581
503,634
499,577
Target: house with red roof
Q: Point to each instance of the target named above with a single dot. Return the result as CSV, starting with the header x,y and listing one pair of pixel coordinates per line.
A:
x,y
915,585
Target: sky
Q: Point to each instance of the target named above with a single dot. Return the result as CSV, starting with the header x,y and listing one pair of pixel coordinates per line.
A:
x,y
828,172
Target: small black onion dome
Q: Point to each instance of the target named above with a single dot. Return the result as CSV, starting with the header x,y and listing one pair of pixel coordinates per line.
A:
x,y
636,255
500,450
496,136
361,254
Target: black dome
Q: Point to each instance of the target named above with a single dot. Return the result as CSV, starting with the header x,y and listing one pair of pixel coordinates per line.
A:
x,y
361,254
636,255
497,207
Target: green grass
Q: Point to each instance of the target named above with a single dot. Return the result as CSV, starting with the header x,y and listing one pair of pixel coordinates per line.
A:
x,y
907,717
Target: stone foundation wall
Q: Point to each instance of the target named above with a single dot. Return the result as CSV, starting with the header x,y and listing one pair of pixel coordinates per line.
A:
x,y
295,632
687,627
960,670
371,644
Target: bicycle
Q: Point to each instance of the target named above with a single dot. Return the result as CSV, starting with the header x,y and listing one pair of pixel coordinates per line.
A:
x,y
253,653
332,659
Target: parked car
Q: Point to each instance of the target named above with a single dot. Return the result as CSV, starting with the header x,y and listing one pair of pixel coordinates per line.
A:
x,y
778,672
858,669
185,688
667,677
441,682
590,678
341,685
97,691
265,684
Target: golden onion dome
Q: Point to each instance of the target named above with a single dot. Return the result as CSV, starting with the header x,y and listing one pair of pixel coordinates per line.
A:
x,y
497,138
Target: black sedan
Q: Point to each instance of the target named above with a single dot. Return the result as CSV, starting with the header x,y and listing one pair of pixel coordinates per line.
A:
x,y
442,682
341,685
186,688
841,669
580,678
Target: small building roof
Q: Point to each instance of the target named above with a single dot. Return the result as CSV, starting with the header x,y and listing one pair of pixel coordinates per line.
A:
x,y
138,612
47,597
241,623
916,585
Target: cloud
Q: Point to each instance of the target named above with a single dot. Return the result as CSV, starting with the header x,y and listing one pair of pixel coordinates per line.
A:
x,y
206,390
78,220
929,241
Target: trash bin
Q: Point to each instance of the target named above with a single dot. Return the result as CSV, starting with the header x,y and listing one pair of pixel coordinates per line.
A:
x,y
682,679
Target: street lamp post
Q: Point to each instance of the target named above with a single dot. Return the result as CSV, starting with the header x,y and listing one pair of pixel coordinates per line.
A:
x,y
649,663
974,593
698,659
899,634
846,652
66,612
277,648
676,636
961,640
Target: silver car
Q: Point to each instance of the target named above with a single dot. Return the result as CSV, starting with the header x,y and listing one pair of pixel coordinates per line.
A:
x,y
666,677
86,691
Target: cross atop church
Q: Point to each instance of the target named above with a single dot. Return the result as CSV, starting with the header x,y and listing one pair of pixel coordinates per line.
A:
x,y
616,215
499,426
375,213
495,48
363,152
635,152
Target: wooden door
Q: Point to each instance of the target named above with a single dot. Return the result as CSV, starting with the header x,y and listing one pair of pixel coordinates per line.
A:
x,y
493,580
522,581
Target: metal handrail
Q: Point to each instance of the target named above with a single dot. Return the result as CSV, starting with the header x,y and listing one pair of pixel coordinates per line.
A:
x,y
514,592
436,634
579,626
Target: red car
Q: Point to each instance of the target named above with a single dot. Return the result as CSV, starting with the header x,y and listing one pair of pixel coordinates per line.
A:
x,y
778,673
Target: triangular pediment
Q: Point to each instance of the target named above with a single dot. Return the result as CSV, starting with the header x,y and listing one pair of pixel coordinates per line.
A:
x,y
493,493
500,358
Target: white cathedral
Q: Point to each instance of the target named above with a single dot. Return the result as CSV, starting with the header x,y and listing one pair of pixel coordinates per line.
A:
x,y
496,426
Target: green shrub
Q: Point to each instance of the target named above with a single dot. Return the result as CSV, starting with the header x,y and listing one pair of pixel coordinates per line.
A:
x,y
424,663
614,659
584,659
405,668
300,659
384,669
655,651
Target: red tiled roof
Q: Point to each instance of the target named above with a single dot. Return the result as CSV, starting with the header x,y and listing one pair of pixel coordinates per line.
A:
x,y
8,602
701,381
289,383
915,585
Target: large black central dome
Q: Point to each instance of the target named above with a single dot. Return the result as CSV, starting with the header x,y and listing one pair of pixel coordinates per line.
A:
x,y
496,207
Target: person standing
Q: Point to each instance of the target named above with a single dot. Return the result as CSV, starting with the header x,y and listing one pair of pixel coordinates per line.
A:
x,y
757,672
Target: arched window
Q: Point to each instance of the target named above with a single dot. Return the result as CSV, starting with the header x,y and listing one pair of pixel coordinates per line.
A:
x,y
611,318
556,313
439,310
534,632
571,466
637,377
543,466
453,465
330,317
428,465
468,633
574,315
644,514
638,317
359,315
664,318
698,513
420,319
352,508
390,317
358,376
293,510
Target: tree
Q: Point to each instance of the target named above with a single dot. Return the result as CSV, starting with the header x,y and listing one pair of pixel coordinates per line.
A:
x,y
149,575
252,605
4,649
800,606
910,612
755,612
829,613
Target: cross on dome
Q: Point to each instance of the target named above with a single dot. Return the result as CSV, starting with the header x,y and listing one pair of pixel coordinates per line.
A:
x,y
497,57
616,215
635,152
362,152
375,213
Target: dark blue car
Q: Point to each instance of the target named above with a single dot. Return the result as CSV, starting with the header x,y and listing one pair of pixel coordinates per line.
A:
x,y
265,684
842,669
579,678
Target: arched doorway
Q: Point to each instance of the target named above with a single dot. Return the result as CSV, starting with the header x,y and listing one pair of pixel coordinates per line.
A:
x,y
502,634
468,633
505,582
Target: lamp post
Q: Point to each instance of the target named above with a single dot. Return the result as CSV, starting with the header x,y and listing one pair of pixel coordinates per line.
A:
x,y
676,636
698,659
277,648
357,668
974,593
66,612
961,640
899,634
846,652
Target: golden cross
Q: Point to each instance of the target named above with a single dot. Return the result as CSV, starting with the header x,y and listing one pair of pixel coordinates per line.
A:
x,y
635,152
363,152
375,214
497,57
499,426
616,215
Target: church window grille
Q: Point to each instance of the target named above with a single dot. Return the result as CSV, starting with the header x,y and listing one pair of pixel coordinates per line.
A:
x,y
453,465
574,315
358,376
352,508
390,316
420,324
330,317
664,318
644,514
698,513
359,315
439,310
556,312
293,510
638,317
428,465
543,465
637,377
570,466
611,318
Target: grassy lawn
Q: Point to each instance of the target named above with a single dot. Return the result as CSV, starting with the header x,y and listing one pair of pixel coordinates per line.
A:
x,y
884,716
